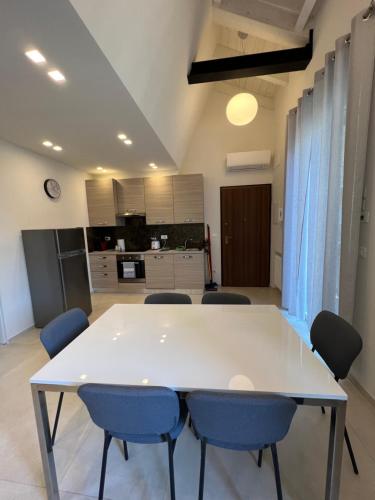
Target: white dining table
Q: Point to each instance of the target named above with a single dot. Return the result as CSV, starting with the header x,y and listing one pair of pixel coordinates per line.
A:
x,y
189,347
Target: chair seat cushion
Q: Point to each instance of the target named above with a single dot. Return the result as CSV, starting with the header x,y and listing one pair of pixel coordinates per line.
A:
x,y
155,438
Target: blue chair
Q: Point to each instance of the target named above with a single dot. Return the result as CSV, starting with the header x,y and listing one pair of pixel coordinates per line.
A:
x,y
168,298
338,344
55,336
135,414
240,421
225,298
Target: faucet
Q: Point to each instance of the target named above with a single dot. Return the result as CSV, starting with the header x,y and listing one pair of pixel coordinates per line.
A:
x,y
186,242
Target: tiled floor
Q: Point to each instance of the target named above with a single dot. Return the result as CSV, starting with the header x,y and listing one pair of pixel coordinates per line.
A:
x,y
230,475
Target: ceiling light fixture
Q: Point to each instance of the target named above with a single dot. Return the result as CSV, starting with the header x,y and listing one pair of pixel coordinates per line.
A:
x,y
128,142
57,148
122,137
35,56
47,144
56,75
243,107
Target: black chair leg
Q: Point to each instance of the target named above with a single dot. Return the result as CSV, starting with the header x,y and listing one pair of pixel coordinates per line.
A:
x,y
59,404
126,454
203,464
323,410
351,453
171,445
260,458
107,442
277,471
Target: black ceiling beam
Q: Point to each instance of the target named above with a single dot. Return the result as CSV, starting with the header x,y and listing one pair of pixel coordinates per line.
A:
x,y
265,63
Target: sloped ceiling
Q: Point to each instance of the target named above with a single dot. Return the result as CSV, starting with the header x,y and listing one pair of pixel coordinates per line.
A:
x,y
83,115
150,45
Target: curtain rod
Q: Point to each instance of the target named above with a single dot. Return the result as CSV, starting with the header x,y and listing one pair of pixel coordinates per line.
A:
x,y
370,11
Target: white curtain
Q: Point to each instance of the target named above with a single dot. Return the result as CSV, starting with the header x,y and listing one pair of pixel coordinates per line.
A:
x,y
312,194
361,85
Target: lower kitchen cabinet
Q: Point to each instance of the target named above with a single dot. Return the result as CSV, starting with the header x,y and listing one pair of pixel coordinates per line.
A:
x,y
189,271
103,271
159,271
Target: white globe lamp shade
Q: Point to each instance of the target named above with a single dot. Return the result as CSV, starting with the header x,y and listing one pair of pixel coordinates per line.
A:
x,y
242,109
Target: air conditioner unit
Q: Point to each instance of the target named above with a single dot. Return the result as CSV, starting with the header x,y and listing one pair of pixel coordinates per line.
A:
x,y
249,160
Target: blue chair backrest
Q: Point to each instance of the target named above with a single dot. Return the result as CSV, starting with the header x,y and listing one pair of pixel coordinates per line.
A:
x,y
238,419
168,298
225,298
131,410
337,342
62,330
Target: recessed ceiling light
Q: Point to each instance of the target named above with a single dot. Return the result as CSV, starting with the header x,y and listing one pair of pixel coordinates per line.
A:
x,y
128,142
56,75
57,148
35,56
47,144
122,137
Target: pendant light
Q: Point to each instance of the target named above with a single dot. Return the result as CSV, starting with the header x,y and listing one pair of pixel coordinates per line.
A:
x,y
242,108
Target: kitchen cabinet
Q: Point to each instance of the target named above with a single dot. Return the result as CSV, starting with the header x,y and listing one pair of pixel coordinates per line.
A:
x,y
131,196
159,200
189,270
103,271
159,270
101,202
188,204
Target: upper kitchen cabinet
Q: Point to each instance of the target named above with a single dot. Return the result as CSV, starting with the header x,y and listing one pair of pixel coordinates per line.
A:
x,y
131,196
159,200
188,199
101,202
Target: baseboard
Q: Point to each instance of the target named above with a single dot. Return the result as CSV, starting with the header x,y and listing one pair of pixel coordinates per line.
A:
x,y
363,391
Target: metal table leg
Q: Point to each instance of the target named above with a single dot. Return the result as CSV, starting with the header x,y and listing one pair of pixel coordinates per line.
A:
x,y
45,442
336,441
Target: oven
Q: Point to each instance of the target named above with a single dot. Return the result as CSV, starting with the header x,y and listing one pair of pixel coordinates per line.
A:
x,y
131,268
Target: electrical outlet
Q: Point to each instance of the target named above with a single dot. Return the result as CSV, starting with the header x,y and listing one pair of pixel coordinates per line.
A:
x,y
164,237
363,252
365,216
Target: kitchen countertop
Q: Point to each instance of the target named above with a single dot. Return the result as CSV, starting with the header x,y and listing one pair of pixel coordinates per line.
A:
x,y
145,252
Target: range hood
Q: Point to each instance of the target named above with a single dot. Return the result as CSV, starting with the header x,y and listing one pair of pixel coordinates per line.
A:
x,y
131,214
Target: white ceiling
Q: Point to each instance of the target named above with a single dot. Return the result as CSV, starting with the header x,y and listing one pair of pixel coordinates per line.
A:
x,y
83,115
285,14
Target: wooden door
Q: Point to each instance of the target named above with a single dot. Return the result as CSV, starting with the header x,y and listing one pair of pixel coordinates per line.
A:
x,y
101,202
131,196
188,199
159,200
245,235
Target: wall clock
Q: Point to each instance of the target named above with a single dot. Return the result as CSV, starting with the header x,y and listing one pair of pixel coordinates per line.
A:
x,y
52,189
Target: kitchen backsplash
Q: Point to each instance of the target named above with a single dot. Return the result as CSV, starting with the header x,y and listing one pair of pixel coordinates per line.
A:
x,y
137,235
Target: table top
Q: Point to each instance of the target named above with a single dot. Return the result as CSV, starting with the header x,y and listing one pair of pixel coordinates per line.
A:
x,y
187,347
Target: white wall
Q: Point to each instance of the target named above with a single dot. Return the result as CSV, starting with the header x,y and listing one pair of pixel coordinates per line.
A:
x,y
24,205
334,20
213,138
151,44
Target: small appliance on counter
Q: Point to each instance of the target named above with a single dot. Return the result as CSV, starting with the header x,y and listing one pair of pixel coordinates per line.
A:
x,y
155,243
121,245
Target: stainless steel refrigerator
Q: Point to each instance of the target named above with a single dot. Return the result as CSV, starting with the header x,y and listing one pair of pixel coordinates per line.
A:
x,y
57,270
